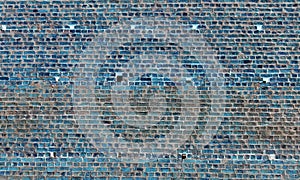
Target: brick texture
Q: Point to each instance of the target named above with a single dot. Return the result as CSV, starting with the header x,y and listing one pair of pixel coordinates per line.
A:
x,y
149,89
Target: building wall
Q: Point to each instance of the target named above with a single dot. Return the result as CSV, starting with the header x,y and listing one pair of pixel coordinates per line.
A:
x,y
144,89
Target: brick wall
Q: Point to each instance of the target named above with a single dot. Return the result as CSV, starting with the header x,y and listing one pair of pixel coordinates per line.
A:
x,y
98,89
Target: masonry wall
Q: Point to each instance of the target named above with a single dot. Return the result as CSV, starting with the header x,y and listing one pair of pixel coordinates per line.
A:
x,y
97,89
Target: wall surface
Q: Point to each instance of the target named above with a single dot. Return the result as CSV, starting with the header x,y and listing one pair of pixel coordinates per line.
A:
x,y
149,89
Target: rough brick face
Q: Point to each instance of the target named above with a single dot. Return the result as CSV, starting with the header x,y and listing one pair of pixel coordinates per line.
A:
x,y
177,89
